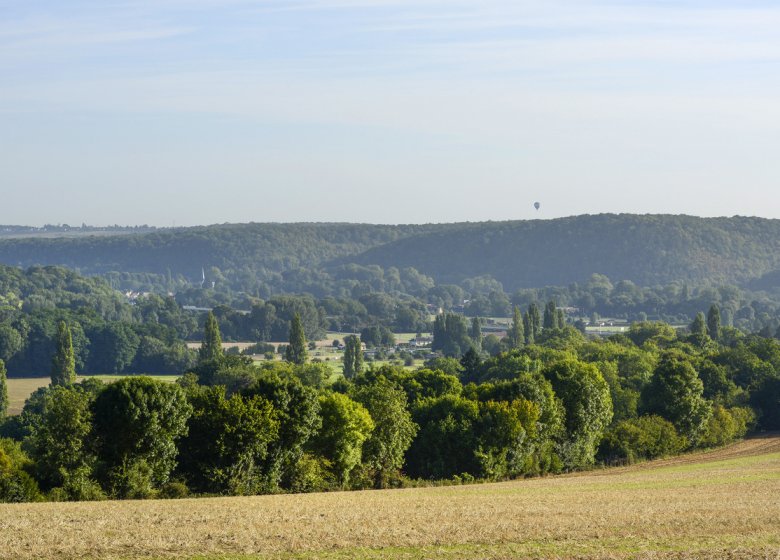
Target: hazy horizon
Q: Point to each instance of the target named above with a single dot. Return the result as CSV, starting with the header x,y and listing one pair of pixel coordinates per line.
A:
x,y
188,112
277,222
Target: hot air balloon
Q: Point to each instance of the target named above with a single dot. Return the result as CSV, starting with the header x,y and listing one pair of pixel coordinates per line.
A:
x,y
537,205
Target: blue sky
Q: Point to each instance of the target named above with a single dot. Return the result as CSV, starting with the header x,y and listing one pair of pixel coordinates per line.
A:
x,y
393,111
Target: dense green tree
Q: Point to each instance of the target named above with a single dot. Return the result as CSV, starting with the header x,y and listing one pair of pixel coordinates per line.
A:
x,y
234,372
625,399
60,442
585,396
451,335
713,322
377,335
426,383
516,332
63,370
313,374
227,441
766,400
726,425
394,430
745,368
653,332
507,365
471,364
11,342
410,317
491,345
698,330
528,328
676,393
550,316
353,356
445,444
450,366
16,484
346,425
296,351
137,422
475,333
565,338
505,435
534,320
531,387
296,408
3,392
718,385
635,439
211,345
156,356
113,348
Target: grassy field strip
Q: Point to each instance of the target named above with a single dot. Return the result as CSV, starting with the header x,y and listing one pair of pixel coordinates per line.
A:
x,y
19,388
738,549
719,504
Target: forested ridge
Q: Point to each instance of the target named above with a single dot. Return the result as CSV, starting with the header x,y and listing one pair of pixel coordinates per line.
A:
x,y
648,250
261,259
185,251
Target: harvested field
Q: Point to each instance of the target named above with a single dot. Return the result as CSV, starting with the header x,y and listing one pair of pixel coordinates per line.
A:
x,y
721,504
21,388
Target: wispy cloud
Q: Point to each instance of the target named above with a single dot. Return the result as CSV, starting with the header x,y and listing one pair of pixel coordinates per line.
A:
x,y
443,92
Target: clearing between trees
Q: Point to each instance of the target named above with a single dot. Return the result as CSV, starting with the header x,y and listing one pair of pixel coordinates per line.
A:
x,y
721,503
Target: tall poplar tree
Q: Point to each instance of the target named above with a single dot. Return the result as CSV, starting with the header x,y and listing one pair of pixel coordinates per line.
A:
x,y
713,322
211,346
698,330
528,328
3,392
353,356
475,333
561,318
63,368
550,316
535,319
296,351
517,330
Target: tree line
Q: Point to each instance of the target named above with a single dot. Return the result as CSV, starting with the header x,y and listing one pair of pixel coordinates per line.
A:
x,y
554,403
147,334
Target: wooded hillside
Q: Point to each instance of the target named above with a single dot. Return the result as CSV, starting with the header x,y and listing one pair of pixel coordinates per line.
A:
x,y
647,249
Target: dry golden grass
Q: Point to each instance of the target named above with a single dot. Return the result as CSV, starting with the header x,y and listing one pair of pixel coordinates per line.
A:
x,y
722,504
20,389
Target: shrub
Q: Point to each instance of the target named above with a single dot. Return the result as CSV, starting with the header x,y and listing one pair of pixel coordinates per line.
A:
x,y
646,437
259,348
16,484
311,474
174,490
727,425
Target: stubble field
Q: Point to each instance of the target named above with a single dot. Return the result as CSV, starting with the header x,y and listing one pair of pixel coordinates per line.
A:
x,y
20,388
721,504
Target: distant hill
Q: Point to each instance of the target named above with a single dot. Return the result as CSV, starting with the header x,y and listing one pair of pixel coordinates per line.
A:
x,y
64,230
647,249
185,251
